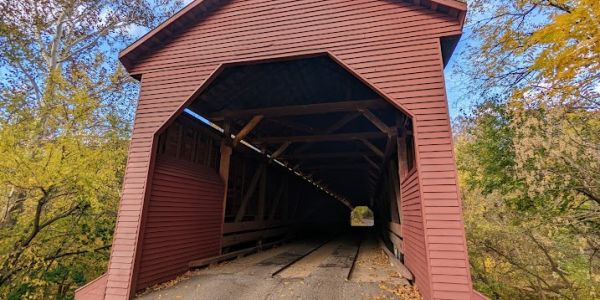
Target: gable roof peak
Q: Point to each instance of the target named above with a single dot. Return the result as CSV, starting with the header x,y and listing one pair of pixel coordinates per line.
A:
x,y
198,9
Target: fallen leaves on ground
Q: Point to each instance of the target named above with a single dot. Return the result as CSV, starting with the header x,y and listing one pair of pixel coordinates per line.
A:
x,y
375,258
171,283
404,292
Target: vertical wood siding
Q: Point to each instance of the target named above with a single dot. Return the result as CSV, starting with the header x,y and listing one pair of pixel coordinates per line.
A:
x,y
392,45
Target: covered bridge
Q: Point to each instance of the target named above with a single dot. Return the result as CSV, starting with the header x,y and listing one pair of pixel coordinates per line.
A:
x,y
258,119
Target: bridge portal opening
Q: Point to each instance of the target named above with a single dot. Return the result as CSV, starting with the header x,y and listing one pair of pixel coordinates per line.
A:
x,y
271,151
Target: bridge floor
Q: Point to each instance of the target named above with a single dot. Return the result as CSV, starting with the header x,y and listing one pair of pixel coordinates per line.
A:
x,y
346,267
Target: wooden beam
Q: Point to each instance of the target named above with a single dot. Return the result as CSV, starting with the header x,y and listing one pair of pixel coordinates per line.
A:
x,y
278,197
396,228
262,196
397,241
375,174
224,162
403,270
331,129
299,110
247,129
224,166
251,188
376,121
395,182
321,138
373,148
371,162
389,147
234,239
292,125
353,166
341,122
207,261
250,226
372,175
326,155
401,146
280,150
225,155
285,208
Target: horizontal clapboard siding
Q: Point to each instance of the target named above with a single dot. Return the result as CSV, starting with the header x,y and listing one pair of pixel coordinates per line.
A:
x,y
392,45
187,200
442,210
120,270
413,231
245,30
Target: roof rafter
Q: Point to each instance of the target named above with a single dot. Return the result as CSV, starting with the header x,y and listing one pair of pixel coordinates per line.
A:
x,y
321,138
300,110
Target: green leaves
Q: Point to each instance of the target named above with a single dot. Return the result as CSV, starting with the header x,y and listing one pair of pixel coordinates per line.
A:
x,y
529,156
531,233
66,110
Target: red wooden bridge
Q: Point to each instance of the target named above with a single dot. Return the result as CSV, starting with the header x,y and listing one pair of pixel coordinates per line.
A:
x,y
259,120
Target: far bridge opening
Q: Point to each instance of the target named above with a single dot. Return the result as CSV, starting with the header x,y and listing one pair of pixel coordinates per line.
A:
x,y
269,152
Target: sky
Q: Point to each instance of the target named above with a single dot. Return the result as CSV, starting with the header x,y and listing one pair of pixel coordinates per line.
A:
x,y
457,104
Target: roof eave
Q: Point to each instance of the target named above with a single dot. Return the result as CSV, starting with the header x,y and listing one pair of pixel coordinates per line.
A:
x,y
159,28
125,56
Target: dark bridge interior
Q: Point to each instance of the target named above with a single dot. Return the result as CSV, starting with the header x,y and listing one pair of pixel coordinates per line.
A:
x,y
317,118
298,143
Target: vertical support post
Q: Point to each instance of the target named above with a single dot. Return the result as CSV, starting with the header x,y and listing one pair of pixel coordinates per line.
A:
x,y
251,188
401,169
394,181
285,213
224,164
277,199
262,196
226,151
402,155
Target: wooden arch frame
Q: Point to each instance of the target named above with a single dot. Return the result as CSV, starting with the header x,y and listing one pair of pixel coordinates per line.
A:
x,y
210,79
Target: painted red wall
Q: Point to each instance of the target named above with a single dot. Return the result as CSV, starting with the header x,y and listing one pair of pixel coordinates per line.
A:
x,y
415,252
183,221
392,45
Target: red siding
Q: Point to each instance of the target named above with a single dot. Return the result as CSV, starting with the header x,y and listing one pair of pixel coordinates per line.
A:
x,y
183,220
442,210
392,45
93,290
415,254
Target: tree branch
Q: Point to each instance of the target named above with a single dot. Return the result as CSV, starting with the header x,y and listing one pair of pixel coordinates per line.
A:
x,y
77,252
36,88
588,194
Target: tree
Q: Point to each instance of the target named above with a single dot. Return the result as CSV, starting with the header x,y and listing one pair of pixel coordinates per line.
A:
x,y
522,245
65,117
529,154
550,47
